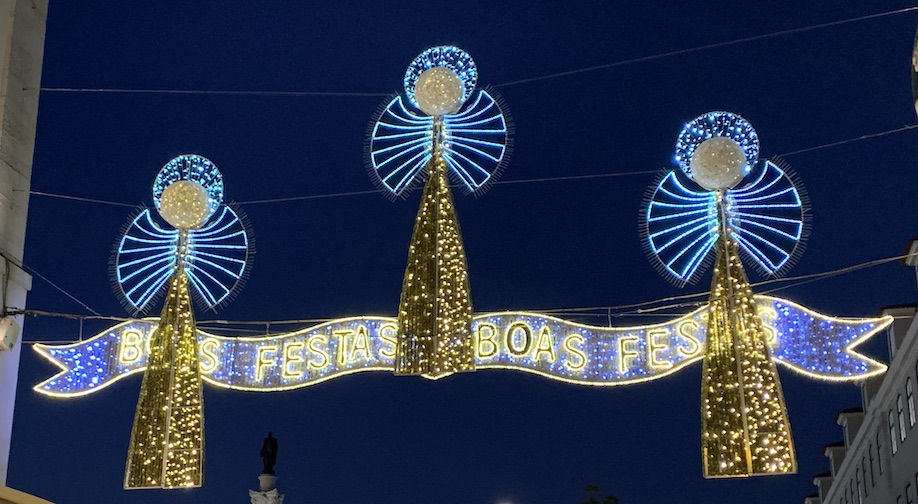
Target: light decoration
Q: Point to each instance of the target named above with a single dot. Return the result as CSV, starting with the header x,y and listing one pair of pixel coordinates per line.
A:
x,y
738,205
807,342
207,253
442,132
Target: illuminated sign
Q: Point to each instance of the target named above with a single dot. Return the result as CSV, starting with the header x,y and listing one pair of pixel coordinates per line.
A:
x,y
803,340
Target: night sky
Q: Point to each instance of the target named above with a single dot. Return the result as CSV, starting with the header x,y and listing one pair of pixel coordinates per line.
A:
x,y
492,436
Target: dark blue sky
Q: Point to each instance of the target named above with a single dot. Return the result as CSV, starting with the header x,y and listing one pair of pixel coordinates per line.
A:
x,y
492,436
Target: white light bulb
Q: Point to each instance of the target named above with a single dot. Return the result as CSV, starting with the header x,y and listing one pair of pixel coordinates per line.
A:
x,y
184,205
439,91
718,163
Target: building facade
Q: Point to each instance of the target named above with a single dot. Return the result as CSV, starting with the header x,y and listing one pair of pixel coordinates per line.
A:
x,y
877,461
22,42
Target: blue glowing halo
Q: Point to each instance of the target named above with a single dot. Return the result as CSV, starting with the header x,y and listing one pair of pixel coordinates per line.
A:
x,y
196,169
716,124
450,57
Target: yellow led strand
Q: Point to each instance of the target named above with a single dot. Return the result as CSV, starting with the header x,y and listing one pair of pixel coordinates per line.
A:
x,y
744,425
435,310
167,438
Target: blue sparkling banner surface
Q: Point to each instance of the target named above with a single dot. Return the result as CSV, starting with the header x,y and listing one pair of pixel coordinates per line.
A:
x,y
801,339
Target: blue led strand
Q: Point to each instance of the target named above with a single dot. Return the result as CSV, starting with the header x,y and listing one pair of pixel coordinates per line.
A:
x,y
400,145
767,218
222,267
716,124
144,261
194,168
450,57
476,141
474,144
681,227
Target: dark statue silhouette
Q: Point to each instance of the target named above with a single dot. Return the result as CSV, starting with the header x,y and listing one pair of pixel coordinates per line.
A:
x,y
269,454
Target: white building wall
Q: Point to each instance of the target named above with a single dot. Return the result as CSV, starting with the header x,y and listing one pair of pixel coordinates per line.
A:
x,y
870,472
22,38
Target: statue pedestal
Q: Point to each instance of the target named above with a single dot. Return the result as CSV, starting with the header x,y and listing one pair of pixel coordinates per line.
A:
x,y
266,493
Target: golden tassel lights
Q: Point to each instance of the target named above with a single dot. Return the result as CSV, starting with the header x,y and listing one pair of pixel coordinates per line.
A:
x,y
744,426
431,133
732,204
435,311
167,440
207,253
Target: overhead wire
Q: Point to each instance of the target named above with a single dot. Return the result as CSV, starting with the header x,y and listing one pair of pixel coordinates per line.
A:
x,y
287,199
19,264
644,308
717,45
209,92
640,310
554,75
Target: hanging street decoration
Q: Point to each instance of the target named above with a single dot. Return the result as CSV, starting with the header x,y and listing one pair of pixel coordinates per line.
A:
x,y
207,252
724,203
445,130
807,342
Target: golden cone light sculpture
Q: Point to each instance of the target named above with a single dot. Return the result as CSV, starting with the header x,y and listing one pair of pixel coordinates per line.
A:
x,y
207,253
167,439
744,426
445,129
727,203
435,311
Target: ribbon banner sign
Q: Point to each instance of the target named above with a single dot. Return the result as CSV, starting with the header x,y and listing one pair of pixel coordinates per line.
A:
x,y
803,340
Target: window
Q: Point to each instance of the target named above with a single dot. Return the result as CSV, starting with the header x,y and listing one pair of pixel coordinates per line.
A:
x,y
910,397
879,457
901,414
873,480
857,486
893,445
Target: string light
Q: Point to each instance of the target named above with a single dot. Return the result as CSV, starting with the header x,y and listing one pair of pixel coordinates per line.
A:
x,y
167,439
744,426
435,311
813,344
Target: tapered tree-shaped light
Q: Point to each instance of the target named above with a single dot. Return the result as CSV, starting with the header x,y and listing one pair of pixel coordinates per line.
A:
x,y
207,253
443,129
730,204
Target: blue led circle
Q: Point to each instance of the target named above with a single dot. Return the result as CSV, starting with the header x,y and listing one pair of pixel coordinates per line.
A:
x,y
716,124
196,169
450,57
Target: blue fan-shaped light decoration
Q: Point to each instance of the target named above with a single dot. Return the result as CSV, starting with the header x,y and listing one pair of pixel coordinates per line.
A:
x,y
473,141
216,257
765,213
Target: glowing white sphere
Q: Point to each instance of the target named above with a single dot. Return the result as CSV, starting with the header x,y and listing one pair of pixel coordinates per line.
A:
x,y
718,163
184,205
438,91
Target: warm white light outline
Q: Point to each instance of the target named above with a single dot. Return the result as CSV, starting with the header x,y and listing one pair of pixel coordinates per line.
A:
x,y
876,367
